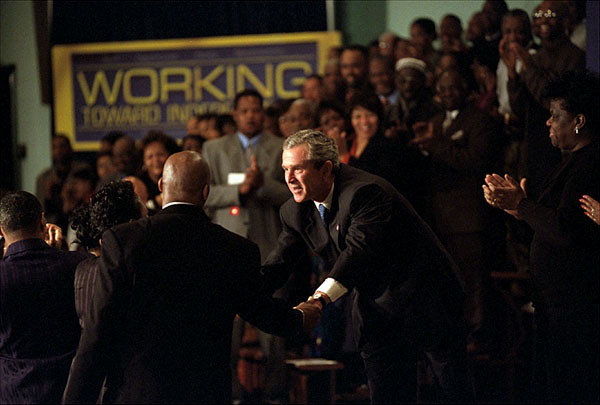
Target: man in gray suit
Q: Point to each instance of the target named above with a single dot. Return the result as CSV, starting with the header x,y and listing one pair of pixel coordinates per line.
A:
x,y
247,188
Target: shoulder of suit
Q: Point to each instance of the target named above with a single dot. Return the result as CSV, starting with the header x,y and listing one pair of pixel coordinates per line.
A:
x,y
272,138
139,228
217,142
225,237
352,180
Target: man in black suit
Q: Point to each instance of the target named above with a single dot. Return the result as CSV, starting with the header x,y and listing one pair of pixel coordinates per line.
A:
x,y
167,290
404,284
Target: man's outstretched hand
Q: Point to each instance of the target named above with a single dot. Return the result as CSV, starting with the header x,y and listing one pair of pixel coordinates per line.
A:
x,y
311,314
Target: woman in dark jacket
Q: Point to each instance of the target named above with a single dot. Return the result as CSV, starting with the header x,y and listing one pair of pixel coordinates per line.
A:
x,y
113,204
564,256
371,151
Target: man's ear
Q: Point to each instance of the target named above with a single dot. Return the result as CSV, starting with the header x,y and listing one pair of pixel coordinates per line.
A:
x,y
160,185
327,168
205,192
2,232
43,222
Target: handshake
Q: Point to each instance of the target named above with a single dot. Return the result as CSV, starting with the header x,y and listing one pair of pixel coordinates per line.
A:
x,y
312,310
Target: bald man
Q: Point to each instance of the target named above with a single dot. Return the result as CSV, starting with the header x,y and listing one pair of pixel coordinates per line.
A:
x,y
167,291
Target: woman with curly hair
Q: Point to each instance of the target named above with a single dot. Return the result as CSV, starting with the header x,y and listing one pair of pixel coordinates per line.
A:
x,y
113,204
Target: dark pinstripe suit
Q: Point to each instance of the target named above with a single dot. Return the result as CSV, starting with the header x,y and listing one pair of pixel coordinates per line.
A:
x,y
39,331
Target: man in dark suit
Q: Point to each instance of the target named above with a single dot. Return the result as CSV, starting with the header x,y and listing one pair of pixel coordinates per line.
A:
x,y
463,143
404,285
39,330
167,290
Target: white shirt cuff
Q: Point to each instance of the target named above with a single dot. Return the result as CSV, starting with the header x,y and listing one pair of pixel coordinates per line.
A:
x,y
332,288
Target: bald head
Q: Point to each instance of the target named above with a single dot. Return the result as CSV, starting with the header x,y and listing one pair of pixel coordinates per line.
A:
x,y
185,178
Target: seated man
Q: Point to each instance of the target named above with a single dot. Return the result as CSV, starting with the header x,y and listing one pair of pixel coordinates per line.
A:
x,y
39,331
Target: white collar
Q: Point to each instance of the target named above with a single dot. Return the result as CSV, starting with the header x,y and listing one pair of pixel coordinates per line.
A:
x,y
328,199
176,203
452,114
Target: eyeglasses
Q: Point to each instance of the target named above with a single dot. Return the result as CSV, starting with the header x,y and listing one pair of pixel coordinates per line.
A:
x,y
541,13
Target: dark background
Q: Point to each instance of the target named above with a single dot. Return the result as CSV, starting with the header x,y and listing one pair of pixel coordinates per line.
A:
x,y
105,21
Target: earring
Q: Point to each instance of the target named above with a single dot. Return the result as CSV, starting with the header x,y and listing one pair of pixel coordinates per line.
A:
x,y
576,130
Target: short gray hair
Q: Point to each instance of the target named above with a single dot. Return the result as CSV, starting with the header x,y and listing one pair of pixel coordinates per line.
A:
x,y
321,148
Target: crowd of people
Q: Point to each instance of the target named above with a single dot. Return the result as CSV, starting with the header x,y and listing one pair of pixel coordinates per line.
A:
x,y
390,149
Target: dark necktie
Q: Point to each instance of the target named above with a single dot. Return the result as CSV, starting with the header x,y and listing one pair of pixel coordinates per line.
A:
x,y
323,213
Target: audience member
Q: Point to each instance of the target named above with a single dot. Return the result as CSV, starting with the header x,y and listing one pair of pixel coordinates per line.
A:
x,y
381,77
192,142
564,258
139,188
494,10
312,89
484,95
156,148
389,158
226,124
284,123
108,141
556,56
126,157
78,189
209,126
49,183
576,26
387,44
422,35
462,143
516,28
193,126
332,81
115,203
404,49
380,251
247,188
354,70
476,32
105,166
158,305
39,330
451,31
415,101
334,52
301,115
204,125
330,115
373,48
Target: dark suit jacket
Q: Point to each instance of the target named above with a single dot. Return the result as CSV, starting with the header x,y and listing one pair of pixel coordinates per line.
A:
x,y
39,331
460,158
377,245
85,279
159,327
405,168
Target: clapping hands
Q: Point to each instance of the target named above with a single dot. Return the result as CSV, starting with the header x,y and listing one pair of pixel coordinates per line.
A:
x,y
504,192
254,177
